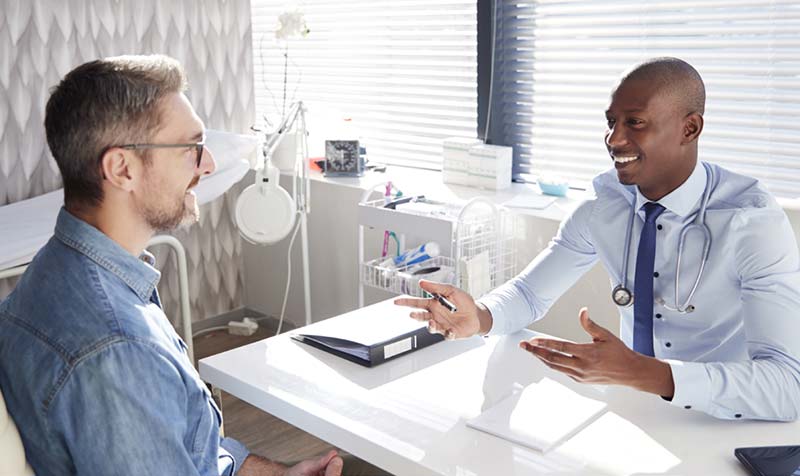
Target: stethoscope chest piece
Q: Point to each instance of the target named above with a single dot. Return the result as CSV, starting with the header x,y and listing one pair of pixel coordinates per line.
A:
x,y
622,296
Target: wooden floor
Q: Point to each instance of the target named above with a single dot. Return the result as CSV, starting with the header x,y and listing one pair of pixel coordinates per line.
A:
x,y
260,432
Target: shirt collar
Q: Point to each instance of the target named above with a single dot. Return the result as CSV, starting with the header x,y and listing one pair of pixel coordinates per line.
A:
x,y
138,273
683,200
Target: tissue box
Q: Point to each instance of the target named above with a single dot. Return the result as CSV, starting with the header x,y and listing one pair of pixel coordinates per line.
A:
x,y
489,166
456,160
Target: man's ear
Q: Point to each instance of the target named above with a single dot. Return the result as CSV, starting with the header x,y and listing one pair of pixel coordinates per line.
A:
x,y
118,169
692,127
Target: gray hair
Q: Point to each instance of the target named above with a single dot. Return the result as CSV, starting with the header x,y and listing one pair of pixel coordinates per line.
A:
x,y
102,104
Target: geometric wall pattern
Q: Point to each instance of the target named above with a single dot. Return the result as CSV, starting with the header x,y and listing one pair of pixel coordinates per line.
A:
x,y
42,40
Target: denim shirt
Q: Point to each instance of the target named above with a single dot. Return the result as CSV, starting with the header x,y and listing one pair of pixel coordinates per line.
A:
x,y
93,373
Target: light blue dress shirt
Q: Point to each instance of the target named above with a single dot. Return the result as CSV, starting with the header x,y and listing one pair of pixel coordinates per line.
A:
x,y
738,354
93,373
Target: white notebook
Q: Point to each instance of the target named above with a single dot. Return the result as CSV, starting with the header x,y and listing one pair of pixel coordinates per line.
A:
x,y
541,416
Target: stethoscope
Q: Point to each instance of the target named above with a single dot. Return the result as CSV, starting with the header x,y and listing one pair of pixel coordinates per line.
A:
x,y
622,296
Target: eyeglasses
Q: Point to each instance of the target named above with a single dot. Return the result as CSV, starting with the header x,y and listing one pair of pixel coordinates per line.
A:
x,y
197,145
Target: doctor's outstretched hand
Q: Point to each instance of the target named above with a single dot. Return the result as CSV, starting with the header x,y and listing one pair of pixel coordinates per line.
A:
x,y
605,360
468,319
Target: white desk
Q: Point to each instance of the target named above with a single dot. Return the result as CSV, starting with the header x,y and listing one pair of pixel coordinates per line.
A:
x,y
408,415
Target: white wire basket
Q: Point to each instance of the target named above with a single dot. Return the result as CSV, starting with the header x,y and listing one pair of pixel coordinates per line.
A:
x,y
405,279
483,247
478,255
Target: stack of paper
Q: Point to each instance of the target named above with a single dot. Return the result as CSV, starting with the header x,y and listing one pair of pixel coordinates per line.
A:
x,y
542,416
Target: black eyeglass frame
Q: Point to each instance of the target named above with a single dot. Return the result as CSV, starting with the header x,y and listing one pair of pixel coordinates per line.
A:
x,y
199,146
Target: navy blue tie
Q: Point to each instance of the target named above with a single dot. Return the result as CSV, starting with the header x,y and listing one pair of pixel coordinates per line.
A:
x,y
643,284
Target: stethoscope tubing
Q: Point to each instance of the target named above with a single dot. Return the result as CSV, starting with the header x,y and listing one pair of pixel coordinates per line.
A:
x,y
699,224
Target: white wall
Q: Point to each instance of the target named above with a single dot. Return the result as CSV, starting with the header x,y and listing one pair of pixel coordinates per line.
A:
x,y
333,248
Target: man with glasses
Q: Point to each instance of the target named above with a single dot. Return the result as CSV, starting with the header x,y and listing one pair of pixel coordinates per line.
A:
x,y
91,369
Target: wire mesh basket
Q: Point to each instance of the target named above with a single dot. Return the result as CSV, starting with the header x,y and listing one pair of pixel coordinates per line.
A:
x,y
479,254
483,244
405,279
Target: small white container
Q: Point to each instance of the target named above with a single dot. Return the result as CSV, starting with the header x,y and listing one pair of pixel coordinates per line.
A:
x,y
456,160
490,166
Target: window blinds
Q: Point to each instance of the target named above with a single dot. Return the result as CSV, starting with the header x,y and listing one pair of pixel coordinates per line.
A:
x,y
405,72
558,60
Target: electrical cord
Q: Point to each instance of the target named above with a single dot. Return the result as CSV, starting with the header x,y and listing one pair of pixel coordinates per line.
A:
x,y
288,274
491,71
210,329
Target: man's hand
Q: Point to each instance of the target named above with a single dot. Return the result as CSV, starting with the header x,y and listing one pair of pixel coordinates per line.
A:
x,y
606,360
327,465
468,320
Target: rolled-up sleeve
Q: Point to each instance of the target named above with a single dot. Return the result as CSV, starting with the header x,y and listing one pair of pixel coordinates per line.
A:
x,y
230,449
527,297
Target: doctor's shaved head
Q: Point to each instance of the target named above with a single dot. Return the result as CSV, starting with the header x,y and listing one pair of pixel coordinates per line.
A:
x,y
674,78
654,119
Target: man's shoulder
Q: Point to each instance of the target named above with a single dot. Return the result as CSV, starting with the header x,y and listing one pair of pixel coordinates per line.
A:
x,y
607,196
68,302
606,186
738,192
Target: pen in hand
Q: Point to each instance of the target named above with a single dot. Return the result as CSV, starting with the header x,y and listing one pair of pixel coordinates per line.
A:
x,y
444,302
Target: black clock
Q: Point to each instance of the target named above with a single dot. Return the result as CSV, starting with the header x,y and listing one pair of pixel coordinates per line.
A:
x,y
343,159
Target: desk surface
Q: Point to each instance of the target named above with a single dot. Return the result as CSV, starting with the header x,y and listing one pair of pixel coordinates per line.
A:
x,y
408,415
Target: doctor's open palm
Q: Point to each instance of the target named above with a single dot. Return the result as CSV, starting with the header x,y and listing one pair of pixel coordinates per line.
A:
x,y
464,322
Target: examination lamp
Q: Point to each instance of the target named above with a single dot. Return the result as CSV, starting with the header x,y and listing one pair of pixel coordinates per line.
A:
x,y
266,213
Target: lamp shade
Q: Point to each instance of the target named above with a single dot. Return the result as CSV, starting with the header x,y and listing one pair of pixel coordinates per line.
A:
x,y
265,213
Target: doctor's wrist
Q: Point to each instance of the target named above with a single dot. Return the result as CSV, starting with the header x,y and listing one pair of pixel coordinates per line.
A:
x,y
485,319
654,376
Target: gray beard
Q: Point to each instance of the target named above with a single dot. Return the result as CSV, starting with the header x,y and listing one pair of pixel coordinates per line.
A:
x,y
167,220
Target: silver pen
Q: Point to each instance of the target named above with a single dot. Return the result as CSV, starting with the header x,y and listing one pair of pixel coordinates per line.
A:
x,y
444,302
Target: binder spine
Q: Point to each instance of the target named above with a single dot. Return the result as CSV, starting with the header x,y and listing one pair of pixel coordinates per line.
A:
x,y
399,347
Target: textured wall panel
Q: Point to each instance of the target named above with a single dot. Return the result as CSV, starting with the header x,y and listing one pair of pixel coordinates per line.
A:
x,y
40,41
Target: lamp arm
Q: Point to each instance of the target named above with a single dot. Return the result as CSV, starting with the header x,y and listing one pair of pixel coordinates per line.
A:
x,y
297,109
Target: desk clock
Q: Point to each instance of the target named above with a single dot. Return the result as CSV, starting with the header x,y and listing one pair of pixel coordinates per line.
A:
x,y
343,159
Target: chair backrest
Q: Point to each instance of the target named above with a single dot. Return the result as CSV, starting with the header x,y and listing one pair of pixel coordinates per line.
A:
x,y
12,454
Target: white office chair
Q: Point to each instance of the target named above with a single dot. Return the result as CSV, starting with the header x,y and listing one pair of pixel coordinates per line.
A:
x,y
12,454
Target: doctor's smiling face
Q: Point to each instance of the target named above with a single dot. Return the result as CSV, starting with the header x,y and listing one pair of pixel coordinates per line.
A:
x,y
653,122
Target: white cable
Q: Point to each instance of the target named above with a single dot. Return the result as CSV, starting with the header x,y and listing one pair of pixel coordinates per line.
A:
x,y
210,329
491,70
288,275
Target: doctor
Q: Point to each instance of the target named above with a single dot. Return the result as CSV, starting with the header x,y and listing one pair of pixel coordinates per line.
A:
x,y
703,263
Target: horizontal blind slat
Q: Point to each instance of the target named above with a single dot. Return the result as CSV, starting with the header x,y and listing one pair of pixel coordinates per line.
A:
x,y
405,71
557,61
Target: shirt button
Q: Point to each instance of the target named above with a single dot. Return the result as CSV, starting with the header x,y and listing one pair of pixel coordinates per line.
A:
x,y
668,344
655,274
659,227
658,316
688,407
738,415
